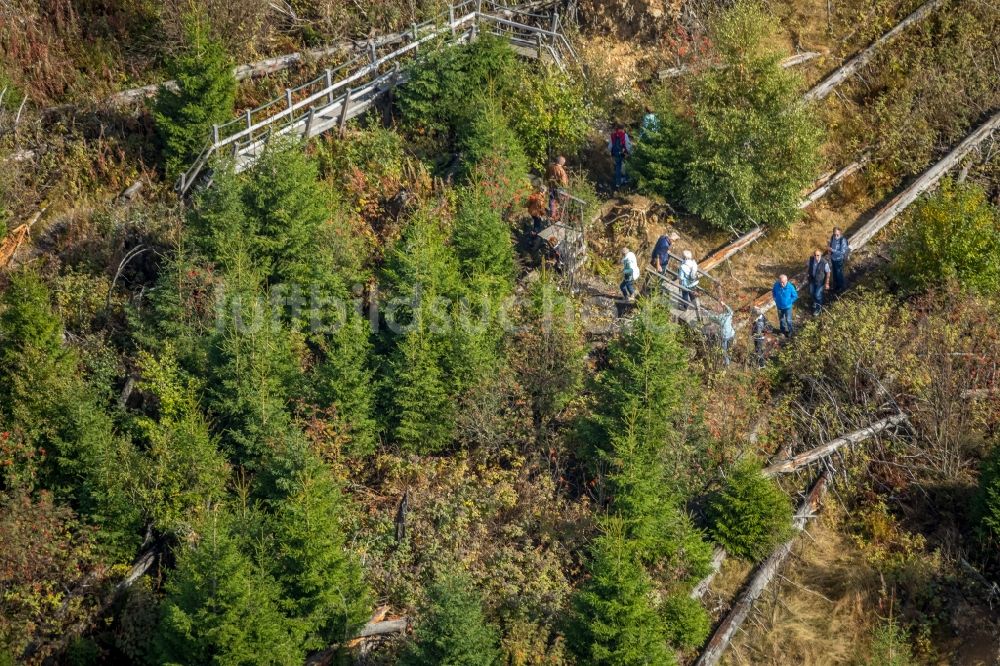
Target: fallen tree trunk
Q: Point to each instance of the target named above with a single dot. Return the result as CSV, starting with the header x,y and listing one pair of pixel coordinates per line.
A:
x,y
804,459
928,180
826,86
821,188
925,182
699,590
717,645
377,626
824,188
790,61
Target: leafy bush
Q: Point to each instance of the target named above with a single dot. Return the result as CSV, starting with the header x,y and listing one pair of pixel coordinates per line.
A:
x,y
550,114
688,623
205,96
951,235
451,628
747,146
751,514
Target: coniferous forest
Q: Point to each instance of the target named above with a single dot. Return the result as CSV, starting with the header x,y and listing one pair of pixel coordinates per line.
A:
x,y
476,349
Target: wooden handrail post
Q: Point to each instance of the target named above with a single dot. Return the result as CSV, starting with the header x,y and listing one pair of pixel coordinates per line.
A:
x,y
451,18
288,97
309,122
372,56
343,110
329,84
215,134
555,20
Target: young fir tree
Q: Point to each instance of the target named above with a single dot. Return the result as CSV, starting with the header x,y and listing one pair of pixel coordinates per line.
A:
x,y
222,609
422,402
482,241
652,511
647,386
253,372
219,217
751,514
51,411
322,583
614,622
181,471
746,148
986,505
549,352
345,381
288,210
451,628
205,95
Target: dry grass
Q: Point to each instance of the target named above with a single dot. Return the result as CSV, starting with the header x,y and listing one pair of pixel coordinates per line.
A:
x,y
817,613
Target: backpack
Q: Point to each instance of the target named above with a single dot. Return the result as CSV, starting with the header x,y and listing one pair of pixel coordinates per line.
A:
x,y
618,144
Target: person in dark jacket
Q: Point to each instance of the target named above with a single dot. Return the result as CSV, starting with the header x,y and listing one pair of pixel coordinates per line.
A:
x,y
661,252
785,294
840,250
758,328
819,279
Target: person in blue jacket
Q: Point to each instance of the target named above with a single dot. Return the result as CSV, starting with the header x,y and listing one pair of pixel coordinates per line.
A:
x,y
785,295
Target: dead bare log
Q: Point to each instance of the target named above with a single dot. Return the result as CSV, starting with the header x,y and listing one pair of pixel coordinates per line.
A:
x,y
801,460
738,245
925,182
822,189
826,86
790,61
724,633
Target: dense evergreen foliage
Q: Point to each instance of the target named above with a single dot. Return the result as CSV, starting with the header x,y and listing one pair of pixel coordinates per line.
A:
x,y
743,151
751,514
205,94
451,628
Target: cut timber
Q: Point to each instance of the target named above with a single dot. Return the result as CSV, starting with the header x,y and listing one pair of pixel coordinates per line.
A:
x,y
826,86
790,61
901,201
724,633
822,187
926,181
13,240
805,459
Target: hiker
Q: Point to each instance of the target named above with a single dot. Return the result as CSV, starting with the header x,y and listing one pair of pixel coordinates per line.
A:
x,y
553,254
536,209
650,123
620,146
785,295
661,252
557,179
726,331
688,274
758,328
819,279
840,250
630,270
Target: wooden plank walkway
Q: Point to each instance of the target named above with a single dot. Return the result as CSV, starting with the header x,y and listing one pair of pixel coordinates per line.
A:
x,y
337,96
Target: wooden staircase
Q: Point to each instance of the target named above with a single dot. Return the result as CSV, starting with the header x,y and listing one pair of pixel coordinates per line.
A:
x,y
533,29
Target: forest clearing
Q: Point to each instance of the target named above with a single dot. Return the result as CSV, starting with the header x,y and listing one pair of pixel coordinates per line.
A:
x,y
483,332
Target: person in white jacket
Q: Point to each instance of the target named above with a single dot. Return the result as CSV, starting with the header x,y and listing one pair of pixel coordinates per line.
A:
x,y
630,270
688,274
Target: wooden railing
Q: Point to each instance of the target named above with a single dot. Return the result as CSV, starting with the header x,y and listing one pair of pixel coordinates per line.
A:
x,y
338,95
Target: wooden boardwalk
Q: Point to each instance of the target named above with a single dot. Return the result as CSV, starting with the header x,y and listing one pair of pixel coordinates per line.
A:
x,y
337,96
